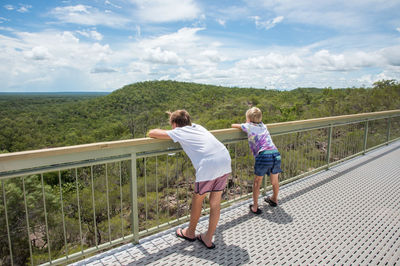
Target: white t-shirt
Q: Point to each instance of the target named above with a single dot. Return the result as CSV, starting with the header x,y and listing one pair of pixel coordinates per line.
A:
x,y
209,156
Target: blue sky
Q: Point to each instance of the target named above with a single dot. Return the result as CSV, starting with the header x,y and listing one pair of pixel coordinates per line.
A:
x,y
102,45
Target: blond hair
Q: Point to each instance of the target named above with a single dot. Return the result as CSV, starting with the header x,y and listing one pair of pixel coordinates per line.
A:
x,y
254,114
180,117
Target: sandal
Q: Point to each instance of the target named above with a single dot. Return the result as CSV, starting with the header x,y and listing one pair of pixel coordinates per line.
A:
x,y
204,243
181,235
270,202
255,212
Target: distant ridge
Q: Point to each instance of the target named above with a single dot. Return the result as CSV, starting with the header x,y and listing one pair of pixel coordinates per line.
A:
x,y
57,93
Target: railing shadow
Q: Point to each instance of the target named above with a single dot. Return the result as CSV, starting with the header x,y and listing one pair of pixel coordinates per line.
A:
x,y
331,178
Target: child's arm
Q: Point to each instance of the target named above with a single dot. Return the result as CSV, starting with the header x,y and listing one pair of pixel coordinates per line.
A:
x,y
237,126
158,134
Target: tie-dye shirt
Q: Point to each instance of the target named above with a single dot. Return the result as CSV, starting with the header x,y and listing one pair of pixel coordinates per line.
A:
x,y
259,137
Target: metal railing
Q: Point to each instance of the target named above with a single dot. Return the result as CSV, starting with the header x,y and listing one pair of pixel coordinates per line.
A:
x,y
58,205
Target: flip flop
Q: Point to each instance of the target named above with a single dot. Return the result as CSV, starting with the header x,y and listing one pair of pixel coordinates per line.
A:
x,y
201,240
255,212
183,236
270,202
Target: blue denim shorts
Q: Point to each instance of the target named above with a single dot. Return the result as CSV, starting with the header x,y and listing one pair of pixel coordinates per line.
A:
x,y
268,162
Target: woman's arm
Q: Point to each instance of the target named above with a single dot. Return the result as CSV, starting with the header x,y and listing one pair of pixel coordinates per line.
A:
x,y
158,134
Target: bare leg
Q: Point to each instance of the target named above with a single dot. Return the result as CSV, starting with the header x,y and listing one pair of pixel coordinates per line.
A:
x,y
256,191
275,187
215,210
195,212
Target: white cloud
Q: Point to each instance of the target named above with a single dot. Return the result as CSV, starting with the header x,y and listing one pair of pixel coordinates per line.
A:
x,y
267,24
87,15
91,34
51,59
3,19
221,22
157,55
166,10
24,8
9,7
398,29
392,55
111,4
38,53
341,15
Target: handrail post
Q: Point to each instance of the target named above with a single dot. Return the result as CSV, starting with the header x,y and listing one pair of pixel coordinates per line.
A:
x,y
134,200
388,131
365,136
328,150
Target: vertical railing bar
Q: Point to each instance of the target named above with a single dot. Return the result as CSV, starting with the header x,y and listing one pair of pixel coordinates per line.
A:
x,y
317,153
134,200
8,227
351,140
108,205
347,146
225,197
45,219
264,184
176,185
365,136
309,148
297,152
63,215
328,150
27,220
293,154
158,217
145,187
167,175
79,208
355,129
283,158
249,165
348,143
187,184
120,196
241,164
318,148
235,168
289,153
94,207
292,151
388,131
340,148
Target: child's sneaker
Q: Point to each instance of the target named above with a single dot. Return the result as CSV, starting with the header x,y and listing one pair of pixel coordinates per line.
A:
x,y
270,202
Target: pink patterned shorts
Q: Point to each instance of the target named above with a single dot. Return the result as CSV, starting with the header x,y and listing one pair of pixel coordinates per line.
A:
x,y
217,184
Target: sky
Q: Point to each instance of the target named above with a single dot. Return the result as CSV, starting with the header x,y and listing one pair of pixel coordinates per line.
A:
x,y
102,45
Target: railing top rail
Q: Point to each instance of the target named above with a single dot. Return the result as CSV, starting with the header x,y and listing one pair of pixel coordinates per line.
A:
x,y
18,160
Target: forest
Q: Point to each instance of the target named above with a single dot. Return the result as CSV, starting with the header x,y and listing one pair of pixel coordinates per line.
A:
x,y
92,203
29,122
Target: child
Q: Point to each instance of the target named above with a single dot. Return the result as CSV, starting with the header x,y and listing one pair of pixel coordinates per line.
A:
x,y
212,162
268,159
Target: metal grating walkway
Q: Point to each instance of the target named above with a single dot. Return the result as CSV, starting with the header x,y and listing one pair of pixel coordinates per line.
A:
x,y
349,214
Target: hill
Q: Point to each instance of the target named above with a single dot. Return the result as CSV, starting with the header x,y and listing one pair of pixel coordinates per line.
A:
x,y
33,122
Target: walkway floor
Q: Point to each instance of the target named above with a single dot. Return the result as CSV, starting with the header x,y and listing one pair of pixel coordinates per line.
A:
x,y
349,214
